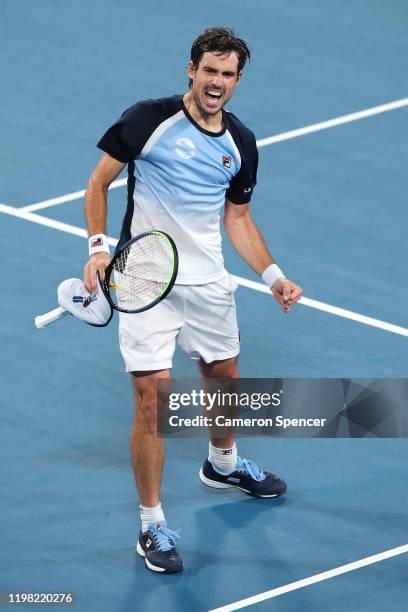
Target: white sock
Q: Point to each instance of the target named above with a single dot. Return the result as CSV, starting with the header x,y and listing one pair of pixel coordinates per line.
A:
x,y
224,460
151,515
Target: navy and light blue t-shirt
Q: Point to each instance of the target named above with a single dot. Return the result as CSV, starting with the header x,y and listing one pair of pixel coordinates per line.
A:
x,y
179,176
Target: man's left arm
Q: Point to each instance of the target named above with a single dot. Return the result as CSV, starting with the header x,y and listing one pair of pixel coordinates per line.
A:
x,y
249,244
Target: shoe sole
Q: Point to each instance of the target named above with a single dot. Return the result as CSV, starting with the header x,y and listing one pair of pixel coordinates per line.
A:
x,y
214,484
152,567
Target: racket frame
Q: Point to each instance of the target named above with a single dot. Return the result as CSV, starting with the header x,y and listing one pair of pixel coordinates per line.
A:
x,y
110,269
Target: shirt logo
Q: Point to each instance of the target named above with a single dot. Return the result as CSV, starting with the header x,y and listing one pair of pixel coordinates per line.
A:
x,y
185,148
226,161
247,190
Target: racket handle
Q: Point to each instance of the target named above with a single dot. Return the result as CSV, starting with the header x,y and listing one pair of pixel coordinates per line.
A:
x,y
49,317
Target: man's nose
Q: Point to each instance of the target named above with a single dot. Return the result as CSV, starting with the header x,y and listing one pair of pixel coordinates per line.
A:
x,y
216,80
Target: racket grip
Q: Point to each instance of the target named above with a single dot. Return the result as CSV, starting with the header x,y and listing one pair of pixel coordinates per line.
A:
x,y
49,317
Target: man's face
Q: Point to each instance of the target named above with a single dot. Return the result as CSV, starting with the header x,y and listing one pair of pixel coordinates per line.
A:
x,y
214,80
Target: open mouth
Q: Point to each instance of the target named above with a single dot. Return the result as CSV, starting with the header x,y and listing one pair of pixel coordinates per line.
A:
x,y
213,94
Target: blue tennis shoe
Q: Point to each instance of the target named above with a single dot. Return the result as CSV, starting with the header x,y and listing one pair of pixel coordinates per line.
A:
x,y
246,476
156,545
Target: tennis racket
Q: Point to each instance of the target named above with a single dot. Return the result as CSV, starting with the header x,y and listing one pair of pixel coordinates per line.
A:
x,y
140,275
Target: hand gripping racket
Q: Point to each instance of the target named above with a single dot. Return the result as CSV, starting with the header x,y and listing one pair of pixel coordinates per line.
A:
x,y
140,275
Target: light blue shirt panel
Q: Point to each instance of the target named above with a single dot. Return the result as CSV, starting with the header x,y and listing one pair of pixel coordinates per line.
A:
x,y
185,169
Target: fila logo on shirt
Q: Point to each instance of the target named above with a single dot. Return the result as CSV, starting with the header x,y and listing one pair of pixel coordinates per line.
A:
x,y
226,161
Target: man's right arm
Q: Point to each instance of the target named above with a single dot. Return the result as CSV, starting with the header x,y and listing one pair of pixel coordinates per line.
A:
x,y
96,206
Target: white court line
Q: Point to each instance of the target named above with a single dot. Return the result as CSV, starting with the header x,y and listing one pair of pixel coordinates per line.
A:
x,y
300,584
340,312
69,197
40,220
335,310
263,142
316,127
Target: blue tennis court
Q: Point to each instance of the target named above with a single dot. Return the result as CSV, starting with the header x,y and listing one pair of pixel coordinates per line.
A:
x,y
325,94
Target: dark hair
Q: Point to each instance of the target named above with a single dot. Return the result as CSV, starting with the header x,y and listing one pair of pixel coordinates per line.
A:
x,y
222,40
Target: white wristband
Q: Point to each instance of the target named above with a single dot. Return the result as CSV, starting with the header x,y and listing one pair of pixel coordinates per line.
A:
x,y
271,274
98,244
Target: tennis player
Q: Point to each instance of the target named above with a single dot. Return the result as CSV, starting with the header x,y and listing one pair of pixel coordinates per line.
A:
x,y
188,160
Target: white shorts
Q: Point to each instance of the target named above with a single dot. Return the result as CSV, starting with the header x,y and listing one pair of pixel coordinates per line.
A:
x,y
201,317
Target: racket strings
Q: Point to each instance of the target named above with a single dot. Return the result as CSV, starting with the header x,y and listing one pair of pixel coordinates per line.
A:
x,y
142,272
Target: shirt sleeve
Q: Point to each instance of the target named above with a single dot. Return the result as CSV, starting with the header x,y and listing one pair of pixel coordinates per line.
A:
x,y
125,139
243,183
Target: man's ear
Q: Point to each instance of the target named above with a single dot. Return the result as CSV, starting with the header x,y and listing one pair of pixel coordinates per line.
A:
x,y
190,70
239,77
